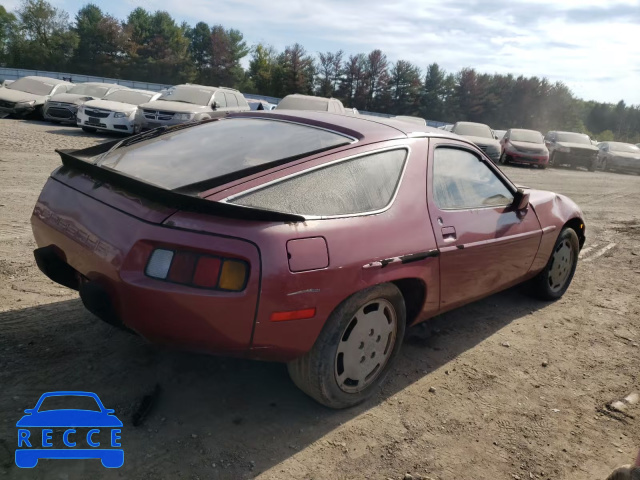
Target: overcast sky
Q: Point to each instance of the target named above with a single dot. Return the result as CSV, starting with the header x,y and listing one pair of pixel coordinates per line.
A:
x,y
593,46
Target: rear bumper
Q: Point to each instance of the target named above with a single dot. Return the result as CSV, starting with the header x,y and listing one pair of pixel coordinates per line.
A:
x,y
102,252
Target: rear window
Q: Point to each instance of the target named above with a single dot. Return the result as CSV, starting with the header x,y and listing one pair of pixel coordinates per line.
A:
x,y
224,148
364,184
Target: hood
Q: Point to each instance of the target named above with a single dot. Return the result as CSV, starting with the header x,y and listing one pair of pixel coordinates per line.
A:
x,y
539,147
484,141
578,146
179,107
633,156
111,106
17,96
71,98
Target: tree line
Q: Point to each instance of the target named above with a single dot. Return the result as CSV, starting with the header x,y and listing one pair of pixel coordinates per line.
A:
x,y
153,47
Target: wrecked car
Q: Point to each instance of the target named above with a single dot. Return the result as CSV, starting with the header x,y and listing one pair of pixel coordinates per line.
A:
x,y
63,107
294,245
27,95
573,149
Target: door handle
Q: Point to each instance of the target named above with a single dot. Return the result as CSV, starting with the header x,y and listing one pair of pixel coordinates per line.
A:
x,y
449,234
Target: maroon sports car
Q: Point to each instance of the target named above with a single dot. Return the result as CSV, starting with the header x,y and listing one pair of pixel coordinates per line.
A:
x,y
304,237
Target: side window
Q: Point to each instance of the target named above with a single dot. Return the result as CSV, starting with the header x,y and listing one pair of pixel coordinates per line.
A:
x,y
220,99
232,101
242,101
364,184
461,180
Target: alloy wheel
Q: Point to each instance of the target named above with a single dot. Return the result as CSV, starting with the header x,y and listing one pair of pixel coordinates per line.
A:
x,y
561,264
366,345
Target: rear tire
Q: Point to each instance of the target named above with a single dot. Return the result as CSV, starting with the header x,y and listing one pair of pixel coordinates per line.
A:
x,y
554,280
89,129
355,350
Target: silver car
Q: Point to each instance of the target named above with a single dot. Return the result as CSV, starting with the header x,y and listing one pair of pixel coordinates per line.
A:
x,y
63,108
189,103
28,95
482,136
619,156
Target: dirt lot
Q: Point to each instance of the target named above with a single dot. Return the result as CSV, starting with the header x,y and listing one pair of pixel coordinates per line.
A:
x,y
497,412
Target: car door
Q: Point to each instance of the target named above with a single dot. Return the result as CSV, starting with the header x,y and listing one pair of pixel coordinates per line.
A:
x,y
485,243
220,101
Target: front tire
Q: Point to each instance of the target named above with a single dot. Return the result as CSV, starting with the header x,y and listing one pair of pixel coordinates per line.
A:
x,y
355,350
592,167
554,280
89,129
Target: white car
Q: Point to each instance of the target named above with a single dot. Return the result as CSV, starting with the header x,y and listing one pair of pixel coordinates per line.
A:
x,y
27,95
116,112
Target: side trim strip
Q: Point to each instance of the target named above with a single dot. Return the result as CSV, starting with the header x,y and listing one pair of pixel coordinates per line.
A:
x,y
404,259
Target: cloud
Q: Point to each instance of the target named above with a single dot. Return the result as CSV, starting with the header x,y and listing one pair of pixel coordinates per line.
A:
x,y
577,41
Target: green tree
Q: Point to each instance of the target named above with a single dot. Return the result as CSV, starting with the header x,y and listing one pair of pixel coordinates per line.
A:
x,y
200,48
405,88
352,85
8,26
43,39
262,67
294,72
329,72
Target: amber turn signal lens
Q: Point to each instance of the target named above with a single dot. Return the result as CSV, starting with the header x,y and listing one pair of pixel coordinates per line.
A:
x,y
233,276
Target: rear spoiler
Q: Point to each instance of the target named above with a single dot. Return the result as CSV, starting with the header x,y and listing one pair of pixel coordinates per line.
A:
x,y
79,161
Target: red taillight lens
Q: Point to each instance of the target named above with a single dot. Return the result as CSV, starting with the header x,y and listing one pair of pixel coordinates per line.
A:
x,y
198,270
182,267
207,272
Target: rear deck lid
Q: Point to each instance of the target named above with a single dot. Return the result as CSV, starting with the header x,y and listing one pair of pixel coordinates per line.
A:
x,y
153,175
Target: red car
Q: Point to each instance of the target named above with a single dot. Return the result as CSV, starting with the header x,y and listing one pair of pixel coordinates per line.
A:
x,y
524,146
303,237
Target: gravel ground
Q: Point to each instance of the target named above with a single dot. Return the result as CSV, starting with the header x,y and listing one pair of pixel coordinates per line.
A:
x,y
506,388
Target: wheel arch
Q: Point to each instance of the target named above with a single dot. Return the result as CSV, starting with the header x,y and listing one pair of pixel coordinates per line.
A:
x,y
414,293
577,224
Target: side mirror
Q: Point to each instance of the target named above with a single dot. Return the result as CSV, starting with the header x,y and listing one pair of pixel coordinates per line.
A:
x,y
521,200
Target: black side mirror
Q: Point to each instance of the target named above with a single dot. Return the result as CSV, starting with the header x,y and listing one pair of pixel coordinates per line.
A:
x,y
520,200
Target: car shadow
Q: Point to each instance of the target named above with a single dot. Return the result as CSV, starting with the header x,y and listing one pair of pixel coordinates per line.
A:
x,y
243,416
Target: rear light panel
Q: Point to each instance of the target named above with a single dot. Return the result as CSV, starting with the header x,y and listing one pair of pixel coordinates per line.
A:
x,y
198,270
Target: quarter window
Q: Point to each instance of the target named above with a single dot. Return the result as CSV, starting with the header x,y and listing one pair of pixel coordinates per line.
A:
x,y
232,101
461,180
364,184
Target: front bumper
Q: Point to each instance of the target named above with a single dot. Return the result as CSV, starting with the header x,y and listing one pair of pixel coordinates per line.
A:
x,y
148,124
19,111
575,158
60,112
528,158
109,123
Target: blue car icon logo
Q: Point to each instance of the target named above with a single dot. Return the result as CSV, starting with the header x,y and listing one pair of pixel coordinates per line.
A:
x,y
88,431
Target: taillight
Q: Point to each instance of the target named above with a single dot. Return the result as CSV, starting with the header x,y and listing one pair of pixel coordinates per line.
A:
x,y
198,270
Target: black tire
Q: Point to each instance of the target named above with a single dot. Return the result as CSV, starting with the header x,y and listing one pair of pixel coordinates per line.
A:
x,y
89,129
315,372
541,284
605,165
503,159
592,166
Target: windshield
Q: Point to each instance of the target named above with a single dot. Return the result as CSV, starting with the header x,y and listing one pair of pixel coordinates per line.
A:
x,y
128,96
573,138
33,86
90,90
67,402
473,130
528,136
219,148
623,147
197,96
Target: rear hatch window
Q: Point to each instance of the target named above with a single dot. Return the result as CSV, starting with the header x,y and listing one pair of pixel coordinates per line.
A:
x,y
221,150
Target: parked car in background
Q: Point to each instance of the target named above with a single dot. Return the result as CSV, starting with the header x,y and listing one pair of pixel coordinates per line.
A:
x,y
189,103
569,148
62,108
524,146
446,128
624,157
499,134
116,112
260,104
482,136
6,82
411,119
28,95
312,103
224,231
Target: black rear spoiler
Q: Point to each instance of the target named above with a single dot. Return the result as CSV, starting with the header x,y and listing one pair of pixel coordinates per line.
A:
x,y
79,161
